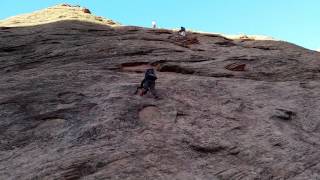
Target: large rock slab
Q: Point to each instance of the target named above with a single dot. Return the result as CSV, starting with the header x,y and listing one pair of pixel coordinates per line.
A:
x,y
67,109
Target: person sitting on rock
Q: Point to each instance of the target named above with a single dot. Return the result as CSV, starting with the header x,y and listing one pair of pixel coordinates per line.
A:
x,y
148,83
182,31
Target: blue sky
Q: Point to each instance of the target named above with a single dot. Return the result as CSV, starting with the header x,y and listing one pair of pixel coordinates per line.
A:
x,y
296,21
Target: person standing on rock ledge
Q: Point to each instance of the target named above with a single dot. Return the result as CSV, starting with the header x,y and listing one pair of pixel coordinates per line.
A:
x,y
148,83
154,24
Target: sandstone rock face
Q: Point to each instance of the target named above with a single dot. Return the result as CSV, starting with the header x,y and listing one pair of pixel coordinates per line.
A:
x,y
67,109
54,14
85,10
249,37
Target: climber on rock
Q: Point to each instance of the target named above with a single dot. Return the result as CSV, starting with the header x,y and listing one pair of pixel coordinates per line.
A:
x,y
148,83
182,31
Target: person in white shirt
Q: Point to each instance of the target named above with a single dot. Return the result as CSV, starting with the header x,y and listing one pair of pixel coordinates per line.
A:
x,y
182,31
154,24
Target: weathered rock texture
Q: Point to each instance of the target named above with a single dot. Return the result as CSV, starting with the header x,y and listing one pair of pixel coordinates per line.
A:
x,y
67,109
54,14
